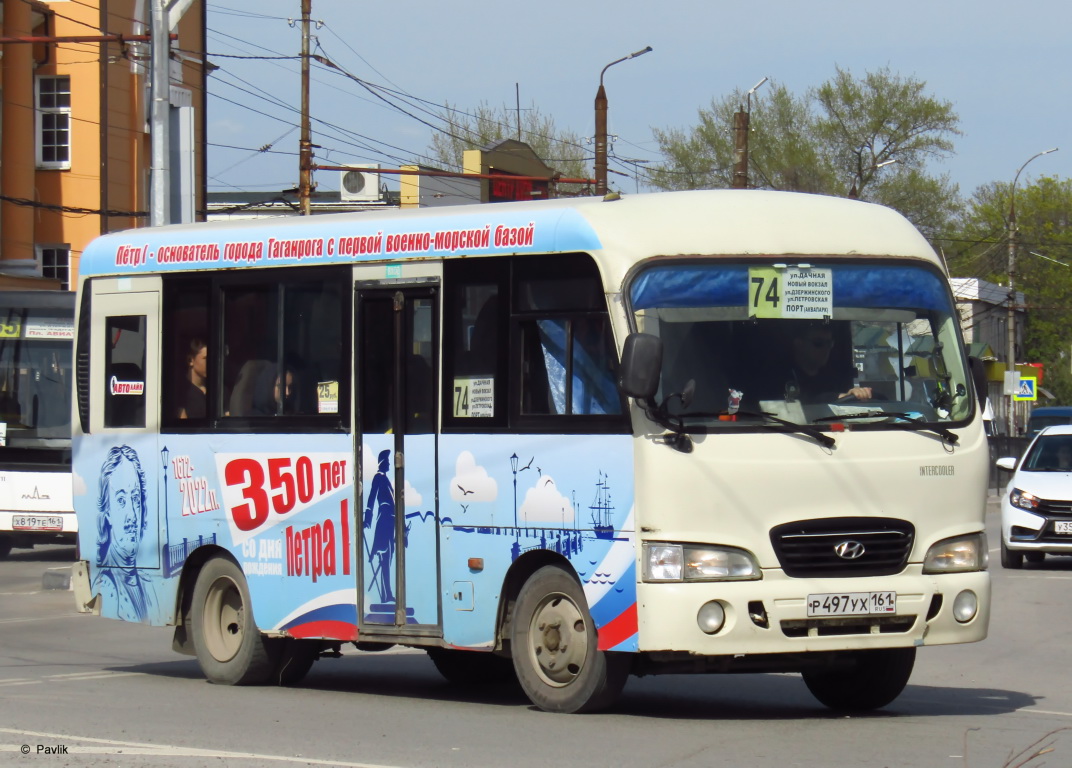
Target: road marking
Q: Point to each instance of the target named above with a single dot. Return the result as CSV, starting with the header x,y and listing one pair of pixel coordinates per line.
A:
x,y
76,676
18,681
112,746
1047,712
40,618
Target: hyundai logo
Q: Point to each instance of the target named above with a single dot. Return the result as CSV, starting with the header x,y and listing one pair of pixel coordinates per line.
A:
x,y
849,550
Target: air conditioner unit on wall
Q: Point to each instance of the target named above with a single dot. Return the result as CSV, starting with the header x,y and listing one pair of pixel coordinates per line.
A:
x,y
359,183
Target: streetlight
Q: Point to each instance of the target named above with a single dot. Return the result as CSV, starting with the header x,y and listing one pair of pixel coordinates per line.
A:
x,y
601,124
1010,345
740,141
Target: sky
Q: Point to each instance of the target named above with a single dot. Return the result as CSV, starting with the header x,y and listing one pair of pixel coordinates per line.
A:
x,y
1005,68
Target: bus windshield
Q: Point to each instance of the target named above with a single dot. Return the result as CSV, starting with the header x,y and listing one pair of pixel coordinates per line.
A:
x,y
871,344
35,376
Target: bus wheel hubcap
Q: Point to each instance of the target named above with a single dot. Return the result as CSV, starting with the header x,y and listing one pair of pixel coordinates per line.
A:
x,y
559,640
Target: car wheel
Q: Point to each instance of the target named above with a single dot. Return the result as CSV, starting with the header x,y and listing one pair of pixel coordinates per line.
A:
x,y
1009,558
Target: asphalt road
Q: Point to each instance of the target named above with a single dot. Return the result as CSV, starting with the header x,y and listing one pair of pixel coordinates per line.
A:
x,y
79,690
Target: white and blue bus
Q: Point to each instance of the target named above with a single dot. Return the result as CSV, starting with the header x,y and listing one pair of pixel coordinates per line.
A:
x,y
571,440
36,382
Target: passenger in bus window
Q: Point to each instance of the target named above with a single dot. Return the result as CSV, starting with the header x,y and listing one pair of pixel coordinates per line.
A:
x,y
270,391
121,524
815,378
195,389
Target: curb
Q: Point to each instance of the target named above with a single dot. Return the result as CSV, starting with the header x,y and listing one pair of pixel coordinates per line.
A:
x,y
57,578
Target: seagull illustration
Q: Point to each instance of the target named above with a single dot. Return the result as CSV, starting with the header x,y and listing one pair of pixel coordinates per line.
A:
x,y
464,492
540,471
527,465
465,508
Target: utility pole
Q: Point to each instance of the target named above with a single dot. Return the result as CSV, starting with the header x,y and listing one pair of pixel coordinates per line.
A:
x,y
1010,344
305,145
160,117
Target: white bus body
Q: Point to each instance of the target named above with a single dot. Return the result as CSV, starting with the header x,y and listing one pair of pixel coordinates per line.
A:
x,y
36,344
684,432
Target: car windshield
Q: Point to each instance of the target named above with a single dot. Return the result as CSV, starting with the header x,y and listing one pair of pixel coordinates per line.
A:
x,y
1050,453
874,344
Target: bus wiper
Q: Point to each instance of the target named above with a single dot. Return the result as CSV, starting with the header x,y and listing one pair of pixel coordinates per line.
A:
x,y
909,421
804,429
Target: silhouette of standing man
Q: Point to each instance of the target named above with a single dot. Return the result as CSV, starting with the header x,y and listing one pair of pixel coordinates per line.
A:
x,y
381,500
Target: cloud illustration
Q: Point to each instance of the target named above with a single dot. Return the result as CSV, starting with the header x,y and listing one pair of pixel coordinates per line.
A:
x,y
472,482
544,504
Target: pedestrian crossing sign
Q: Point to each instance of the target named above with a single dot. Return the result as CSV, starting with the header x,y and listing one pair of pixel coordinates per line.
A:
x,y
1028,389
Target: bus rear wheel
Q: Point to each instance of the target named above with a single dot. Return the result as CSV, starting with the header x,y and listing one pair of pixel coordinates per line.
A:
x,y
230,649
872,680
554,645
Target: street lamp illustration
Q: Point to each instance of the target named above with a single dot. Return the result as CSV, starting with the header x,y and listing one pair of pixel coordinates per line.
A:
x,y
513,468
167,540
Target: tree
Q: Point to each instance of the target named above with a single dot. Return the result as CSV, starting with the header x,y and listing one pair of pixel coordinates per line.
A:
x,y
1042,269
870,138
560,149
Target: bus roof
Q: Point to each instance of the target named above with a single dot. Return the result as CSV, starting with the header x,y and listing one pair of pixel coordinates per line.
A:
x,y
632,227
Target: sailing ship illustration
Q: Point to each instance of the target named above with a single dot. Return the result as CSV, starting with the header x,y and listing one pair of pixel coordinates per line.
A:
x,y
601,508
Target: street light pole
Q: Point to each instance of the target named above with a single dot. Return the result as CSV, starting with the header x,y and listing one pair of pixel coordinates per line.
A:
x,y
1010,344
601,124
741,120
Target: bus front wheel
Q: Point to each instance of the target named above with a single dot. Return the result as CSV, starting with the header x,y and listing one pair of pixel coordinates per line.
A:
x,y
873,679
554,646
230,649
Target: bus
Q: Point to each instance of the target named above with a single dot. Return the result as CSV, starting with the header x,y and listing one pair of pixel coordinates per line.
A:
x,y
562,441
36,382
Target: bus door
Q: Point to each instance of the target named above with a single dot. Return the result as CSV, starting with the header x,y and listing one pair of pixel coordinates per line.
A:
x,y
120,455
396,366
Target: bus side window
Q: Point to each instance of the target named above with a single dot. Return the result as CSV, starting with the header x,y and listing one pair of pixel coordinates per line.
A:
x,y
188,377
124,371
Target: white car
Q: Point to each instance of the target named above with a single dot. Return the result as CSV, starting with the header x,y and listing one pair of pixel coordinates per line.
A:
x,y
1036,510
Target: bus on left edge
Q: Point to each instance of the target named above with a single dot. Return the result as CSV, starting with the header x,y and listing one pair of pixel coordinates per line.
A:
x,y
36,347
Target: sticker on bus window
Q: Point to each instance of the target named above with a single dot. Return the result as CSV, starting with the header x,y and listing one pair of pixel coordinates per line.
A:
x,y
790,292
117,387
11,330
49,328
327,397
474,398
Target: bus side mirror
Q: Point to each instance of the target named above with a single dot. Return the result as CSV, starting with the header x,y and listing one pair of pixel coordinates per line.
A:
x,y
978,374
642,362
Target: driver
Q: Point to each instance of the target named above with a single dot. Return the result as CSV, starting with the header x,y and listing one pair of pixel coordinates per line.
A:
x,y
815,378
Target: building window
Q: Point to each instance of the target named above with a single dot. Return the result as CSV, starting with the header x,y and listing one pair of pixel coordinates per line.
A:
x,y
55,262
53,122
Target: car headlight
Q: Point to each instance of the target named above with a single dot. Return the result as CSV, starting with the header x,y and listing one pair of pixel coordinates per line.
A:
x,y
697,562
1024,500
957,555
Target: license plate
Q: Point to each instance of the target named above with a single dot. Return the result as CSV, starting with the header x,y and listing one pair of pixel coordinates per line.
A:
x,y
1062,526
852,603
37,523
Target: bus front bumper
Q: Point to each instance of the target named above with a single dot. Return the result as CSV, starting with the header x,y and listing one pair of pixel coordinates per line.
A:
x,y
771,615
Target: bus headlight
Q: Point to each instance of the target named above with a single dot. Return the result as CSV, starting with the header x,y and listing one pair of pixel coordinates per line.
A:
x,y
957,555
696,562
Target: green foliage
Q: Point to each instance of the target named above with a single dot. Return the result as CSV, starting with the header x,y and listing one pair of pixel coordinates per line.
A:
x,y
486,125
873,136
1044,248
